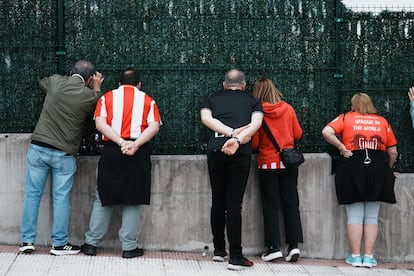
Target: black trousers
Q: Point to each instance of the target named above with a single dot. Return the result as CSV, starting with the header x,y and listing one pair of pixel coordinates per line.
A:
x,y
228,179
280,185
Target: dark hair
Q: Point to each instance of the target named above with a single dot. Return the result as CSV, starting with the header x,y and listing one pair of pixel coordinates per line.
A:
x,y
84,68
130,76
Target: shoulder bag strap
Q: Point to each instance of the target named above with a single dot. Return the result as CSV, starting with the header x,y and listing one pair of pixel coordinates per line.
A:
x,y
267,130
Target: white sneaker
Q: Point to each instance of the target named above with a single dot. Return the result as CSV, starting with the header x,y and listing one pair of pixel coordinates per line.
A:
x,y
27,247
219,256
271,253
293,255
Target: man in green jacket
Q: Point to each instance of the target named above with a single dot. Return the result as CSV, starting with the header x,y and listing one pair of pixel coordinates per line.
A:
x,y
69,102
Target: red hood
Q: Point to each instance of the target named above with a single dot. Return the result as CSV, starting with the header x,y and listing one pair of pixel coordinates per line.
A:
x,y
274,110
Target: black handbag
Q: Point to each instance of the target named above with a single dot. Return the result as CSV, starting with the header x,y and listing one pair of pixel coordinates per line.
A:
x,y
291,157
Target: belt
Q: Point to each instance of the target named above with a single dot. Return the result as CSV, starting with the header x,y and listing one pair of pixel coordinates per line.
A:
x,y
42,144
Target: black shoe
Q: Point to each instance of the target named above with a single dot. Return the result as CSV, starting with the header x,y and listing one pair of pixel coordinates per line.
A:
x,y
27,247
271,253
219,256
238,263
66,249
88,249
133,253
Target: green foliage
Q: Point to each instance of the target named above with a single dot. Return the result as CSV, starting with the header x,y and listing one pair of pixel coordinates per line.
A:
x,y
184,47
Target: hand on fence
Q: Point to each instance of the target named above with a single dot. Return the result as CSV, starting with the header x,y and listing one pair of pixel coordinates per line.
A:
x,y
96,82
411,93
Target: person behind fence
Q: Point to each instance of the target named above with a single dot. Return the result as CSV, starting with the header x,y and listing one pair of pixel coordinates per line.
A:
x,y
233,116
128,119
69,102
411,98
364,175
276,180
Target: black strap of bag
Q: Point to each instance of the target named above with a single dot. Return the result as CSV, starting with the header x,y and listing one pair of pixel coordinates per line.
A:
x,y
267,130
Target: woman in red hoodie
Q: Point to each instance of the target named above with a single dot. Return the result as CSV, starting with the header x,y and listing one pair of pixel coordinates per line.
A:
x,y
275,179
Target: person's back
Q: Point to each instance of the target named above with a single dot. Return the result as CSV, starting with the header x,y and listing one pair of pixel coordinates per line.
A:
x,y
232,116
363,174
281,119
276,180
226,107
128,119
363,131
53,149
68,104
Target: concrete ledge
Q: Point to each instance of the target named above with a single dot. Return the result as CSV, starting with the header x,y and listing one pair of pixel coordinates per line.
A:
x,y
178,217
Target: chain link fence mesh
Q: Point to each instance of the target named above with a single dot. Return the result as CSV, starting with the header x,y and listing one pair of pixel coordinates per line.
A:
x,y
318,53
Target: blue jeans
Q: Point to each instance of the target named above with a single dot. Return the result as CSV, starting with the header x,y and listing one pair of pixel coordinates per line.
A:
x,y
101,218
41,160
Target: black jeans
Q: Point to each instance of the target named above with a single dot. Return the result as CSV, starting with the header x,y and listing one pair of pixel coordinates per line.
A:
x,y
274,185
228,179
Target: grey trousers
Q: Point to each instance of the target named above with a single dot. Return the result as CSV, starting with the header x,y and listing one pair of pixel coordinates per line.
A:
x,y
101,218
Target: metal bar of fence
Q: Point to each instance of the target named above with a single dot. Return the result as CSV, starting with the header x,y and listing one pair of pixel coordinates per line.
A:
x,y
61,36
338,74
22,44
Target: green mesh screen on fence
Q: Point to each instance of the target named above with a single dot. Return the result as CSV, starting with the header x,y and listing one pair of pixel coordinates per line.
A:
x,y
317,52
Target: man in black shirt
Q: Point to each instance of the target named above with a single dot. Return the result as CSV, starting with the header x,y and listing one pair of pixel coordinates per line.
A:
x,y
233,116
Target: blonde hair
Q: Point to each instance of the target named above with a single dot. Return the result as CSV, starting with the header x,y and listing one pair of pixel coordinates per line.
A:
x,y
363,104
266,91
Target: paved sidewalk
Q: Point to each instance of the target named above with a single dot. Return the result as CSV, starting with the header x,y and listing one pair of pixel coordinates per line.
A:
x,y
110,263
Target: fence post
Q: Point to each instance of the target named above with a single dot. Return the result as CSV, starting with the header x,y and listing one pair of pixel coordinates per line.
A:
x,y
338,70
61,36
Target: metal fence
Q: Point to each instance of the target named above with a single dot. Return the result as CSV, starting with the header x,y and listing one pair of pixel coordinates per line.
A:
x,y
377,56
317,52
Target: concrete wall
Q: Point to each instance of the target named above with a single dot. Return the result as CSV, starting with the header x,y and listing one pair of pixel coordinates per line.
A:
x,y
178,217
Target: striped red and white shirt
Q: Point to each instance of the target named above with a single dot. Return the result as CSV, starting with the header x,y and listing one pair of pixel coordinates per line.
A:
x,y
127,110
